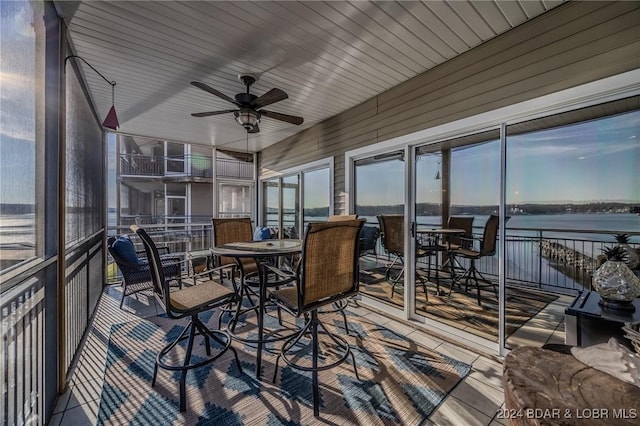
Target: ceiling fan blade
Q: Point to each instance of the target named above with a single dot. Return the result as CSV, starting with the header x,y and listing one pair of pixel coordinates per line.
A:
x,y
207,114
282,117
272,96
213,91
254,129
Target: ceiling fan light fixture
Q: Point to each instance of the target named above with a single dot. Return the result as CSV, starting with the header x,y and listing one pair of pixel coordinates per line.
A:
x,y
247,118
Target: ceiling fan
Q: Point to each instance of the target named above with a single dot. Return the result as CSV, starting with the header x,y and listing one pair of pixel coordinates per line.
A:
x,y
249,111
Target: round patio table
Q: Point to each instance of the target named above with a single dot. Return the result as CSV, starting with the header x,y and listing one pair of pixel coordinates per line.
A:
x,y
434,235
259,250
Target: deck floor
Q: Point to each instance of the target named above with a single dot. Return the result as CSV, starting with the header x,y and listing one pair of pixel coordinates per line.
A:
x,y
474,401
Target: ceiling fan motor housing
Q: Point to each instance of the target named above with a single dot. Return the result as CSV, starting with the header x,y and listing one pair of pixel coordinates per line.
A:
x,y
245,98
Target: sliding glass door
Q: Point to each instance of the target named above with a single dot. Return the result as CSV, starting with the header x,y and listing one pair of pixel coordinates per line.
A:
x,y
501,228
379,191
571,191
457,189
296,198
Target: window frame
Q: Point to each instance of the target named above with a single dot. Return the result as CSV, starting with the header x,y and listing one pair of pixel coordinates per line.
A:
x,y
300,170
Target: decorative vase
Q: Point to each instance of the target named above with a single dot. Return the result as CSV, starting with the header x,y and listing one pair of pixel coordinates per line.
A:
x,y
616,284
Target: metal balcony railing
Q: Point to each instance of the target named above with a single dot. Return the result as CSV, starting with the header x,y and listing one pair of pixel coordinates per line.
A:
x,y
550,259
27,345
178,237
186,165
234,169
556,260
141,165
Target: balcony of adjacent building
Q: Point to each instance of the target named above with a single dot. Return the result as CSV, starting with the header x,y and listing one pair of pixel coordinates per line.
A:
x,y
194,168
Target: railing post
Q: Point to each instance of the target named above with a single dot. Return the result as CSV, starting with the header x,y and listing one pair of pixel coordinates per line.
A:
x,y
539,259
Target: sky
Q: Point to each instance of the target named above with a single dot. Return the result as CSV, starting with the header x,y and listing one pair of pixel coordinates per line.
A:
x,y
17,103
596,160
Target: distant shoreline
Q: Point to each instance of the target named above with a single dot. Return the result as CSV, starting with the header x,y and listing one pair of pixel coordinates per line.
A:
x,y
430,209
17,208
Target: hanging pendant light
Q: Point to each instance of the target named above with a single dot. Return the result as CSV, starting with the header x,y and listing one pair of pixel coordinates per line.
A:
x,y
111,120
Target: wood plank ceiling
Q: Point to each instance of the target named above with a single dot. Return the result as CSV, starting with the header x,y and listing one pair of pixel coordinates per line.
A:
x,y
327,56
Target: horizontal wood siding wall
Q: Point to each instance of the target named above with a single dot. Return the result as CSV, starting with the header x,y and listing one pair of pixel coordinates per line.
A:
x,y
573,44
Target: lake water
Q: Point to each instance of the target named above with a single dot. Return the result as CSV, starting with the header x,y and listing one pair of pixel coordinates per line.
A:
x,y
585,233
17,231
19,228
595,222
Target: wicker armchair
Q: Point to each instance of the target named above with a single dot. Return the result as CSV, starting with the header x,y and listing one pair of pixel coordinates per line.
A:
x,y
136,275
188,302
327,273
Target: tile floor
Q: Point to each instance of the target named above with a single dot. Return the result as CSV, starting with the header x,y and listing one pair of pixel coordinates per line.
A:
x,y
474,401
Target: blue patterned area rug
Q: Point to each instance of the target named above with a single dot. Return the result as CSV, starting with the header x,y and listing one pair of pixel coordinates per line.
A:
x,y
400,382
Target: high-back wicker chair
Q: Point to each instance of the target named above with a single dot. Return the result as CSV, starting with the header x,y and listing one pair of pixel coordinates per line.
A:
x,y
339,217
233,230
341,305
186,302
134,266
487,247
392,235
455,241
327,272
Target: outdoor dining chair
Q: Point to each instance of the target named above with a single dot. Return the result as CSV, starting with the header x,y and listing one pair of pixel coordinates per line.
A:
x,y
486,247
188,302
233,230
455,241
392,236
327,273
341,305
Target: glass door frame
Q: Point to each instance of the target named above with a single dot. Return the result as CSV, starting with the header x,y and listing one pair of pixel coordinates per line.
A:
x,y
589,94
381,149
170,162
410,144
299,171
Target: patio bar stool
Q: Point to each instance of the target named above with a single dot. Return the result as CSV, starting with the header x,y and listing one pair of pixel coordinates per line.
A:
x,y
187,302
327,273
